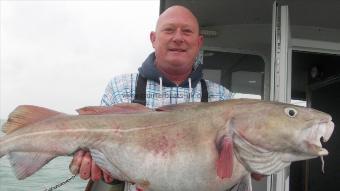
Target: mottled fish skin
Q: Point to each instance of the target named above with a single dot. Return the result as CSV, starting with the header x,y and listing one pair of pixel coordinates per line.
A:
x,y
192,147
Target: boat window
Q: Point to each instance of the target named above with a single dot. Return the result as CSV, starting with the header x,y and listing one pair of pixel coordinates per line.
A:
x,y
242,74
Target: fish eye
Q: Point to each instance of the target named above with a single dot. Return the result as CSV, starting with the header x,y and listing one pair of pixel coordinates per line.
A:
x,y
291,112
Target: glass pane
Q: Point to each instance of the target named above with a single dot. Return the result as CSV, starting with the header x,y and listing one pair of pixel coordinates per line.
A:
x,y
242,74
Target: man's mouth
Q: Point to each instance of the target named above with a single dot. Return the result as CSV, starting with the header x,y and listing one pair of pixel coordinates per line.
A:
x,y
176,50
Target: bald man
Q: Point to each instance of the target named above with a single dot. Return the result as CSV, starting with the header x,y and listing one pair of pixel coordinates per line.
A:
x,y
172,74
177,43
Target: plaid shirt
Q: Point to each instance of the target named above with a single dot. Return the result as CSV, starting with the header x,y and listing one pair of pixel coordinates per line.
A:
x,y
121,89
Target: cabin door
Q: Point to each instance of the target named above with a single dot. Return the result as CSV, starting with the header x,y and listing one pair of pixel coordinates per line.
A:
x,y
280,78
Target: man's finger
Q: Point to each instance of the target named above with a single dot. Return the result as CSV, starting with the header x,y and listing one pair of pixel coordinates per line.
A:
x,y
107,177
76,162
96,172
85,167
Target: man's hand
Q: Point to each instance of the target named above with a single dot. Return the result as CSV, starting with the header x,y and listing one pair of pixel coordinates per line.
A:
x,y
83,164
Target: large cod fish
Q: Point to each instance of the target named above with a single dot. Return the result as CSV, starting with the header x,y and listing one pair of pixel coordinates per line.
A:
x,y
191,147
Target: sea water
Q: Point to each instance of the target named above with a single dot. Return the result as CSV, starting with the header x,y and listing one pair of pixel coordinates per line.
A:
x,y
54,172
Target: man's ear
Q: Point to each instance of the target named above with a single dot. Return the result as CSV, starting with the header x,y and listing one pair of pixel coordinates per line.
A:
x,y
153,38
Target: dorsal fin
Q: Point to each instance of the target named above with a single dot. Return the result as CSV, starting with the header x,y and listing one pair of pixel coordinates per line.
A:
x,y
178,106
25,115
118,108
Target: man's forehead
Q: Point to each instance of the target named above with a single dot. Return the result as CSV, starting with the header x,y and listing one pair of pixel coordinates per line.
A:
x,y
177,14
174,23
177,22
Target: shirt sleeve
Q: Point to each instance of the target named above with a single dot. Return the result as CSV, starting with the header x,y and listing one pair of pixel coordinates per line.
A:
x,y
226,93
120,89
218,92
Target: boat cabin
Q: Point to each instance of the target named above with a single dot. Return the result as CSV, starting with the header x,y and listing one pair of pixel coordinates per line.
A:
x,y
286,51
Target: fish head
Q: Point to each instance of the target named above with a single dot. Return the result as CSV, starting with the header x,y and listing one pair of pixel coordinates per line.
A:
x,y
278,134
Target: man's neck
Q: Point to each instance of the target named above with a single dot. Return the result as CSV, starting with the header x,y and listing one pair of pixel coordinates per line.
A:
x,y
177,77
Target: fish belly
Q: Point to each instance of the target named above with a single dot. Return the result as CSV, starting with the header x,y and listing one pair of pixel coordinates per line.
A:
x,y
190,171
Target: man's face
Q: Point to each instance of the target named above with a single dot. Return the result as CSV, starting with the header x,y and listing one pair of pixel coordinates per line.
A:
x,y
176,40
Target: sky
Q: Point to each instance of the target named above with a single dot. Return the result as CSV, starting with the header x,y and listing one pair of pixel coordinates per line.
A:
x,y
62,54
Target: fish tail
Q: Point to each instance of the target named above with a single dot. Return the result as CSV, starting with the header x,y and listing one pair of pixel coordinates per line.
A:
x,y
2,148
25,115
24,163
27,163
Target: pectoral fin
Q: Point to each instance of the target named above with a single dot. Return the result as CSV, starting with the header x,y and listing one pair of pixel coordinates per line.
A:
x,y
224,163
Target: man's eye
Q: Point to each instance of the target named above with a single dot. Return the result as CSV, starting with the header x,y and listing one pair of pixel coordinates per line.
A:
x,y
187,31
168,30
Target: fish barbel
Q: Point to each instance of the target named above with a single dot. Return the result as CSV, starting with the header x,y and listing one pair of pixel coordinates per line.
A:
x,y
193,147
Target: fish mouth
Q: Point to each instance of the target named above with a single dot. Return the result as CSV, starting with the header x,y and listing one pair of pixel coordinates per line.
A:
x,y
313,136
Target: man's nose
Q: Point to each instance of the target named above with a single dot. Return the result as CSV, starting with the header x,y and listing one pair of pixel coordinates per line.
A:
x,y
178,36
